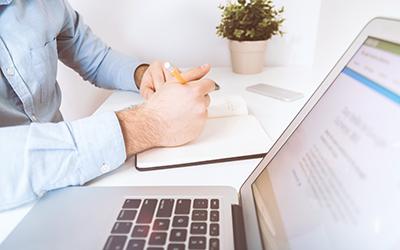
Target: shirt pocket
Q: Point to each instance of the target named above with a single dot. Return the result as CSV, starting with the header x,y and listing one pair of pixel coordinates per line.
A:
x,y
44,70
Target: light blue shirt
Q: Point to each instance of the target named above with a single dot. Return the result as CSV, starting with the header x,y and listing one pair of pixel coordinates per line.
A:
x,y
38,150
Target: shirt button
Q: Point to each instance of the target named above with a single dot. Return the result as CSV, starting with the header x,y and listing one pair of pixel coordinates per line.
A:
x,y
105,168
10,71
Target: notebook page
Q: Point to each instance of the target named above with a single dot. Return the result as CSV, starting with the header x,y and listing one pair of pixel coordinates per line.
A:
x,y
226,105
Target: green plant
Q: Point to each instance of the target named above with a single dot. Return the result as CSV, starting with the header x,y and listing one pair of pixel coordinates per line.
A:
x,y
252,20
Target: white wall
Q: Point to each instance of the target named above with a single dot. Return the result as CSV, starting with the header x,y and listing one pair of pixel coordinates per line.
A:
x,y
182,31
341,21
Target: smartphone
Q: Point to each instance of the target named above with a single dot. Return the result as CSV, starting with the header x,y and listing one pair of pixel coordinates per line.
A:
x,y
275,92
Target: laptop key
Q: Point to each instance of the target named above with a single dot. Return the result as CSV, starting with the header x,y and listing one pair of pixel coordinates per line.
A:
x,y
183,206
198,228
196,242
121,228
200,203
176,247
165,208
199,215
180,221
147,211
140,231
214,229
157,238
136,244
115,242
131,203
178,235
127,215
214,204
214,244
214,216
161,224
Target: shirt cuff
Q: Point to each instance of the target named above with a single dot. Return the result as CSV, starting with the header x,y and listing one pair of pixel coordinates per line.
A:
x,y
116,72
100,143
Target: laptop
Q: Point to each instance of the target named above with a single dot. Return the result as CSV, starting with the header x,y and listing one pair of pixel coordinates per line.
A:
x,y
331,181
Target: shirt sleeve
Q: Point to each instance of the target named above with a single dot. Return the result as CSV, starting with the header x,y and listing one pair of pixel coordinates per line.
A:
x,y
43,156
81,50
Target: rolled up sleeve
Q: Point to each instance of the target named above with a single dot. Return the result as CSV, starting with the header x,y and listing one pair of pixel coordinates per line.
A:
x,y
47,156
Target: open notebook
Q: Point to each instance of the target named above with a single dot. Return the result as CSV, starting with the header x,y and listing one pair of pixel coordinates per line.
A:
x,y
230,134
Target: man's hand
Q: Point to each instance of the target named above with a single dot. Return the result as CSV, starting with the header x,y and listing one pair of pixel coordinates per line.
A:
x,y
156,75
139,72
174,115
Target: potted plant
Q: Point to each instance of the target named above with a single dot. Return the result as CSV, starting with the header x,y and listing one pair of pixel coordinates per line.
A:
x,y
248,24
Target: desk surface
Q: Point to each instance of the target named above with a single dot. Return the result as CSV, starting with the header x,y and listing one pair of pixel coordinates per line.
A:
x,y
274,116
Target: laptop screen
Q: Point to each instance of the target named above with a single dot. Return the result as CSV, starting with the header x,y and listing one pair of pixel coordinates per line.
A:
x,y
335,184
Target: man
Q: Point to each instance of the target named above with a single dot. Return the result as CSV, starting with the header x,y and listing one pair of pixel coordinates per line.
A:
x,y
39,152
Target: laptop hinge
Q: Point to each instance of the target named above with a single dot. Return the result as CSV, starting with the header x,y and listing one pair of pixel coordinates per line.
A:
x,y
238,228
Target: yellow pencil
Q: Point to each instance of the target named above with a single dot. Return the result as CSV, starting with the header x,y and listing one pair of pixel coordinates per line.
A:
x,y
174,71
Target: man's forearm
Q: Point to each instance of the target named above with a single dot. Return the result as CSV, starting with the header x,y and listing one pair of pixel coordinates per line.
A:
x,y
140,129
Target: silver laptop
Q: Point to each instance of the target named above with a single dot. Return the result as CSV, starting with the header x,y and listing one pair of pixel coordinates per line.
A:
x,y
331,181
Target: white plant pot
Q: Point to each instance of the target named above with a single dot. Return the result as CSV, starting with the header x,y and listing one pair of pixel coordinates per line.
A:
x,y
247,57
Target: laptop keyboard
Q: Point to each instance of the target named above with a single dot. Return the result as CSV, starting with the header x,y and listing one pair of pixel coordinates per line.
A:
x,y
171,224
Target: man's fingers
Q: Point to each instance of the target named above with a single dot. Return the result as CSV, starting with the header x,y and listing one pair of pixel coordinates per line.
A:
x,y
196,73
147,93
157,73
168,76
208,100
203,86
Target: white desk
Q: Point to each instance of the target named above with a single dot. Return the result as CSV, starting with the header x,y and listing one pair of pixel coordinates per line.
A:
x,y
274,116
